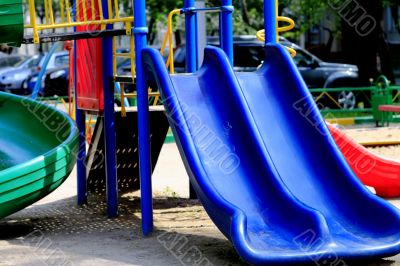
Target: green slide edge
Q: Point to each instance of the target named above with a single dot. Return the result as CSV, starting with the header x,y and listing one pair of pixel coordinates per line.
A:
x,y
23,184
11,22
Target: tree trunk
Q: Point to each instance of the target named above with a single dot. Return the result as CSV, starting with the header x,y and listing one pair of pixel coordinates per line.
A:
x,y
245,12
151,35
395,14
385,62
362,50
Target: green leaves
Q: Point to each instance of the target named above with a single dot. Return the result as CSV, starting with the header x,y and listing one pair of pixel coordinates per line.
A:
x,y
248,15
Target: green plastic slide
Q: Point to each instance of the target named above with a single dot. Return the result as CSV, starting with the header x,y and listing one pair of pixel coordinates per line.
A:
x,y
11,22
38,147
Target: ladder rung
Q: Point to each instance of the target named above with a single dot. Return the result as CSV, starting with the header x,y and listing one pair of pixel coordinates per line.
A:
x,y
124,79
124,55
56,37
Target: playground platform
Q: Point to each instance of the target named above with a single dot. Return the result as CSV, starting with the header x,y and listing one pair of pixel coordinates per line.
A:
x,y
55,231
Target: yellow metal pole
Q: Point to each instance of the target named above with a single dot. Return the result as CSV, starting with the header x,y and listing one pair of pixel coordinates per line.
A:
x,y
103,26
116,8
115,55
62,11
68,11
84,23
50,2
133,66
93,9
84,10
46,11
110,11
32,14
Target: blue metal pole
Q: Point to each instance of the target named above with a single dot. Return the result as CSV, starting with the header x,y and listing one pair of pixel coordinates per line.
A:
x,y
81,124
270,10
109,122
226,29
118,89
38,85
140,30
80,164
190,25
196,36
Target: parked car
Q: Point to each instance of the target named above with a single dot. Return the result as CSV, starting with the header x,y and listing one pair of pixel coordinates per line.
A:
x,y
319,74
28,62
56,80
57,60
249,54
12,78
10,60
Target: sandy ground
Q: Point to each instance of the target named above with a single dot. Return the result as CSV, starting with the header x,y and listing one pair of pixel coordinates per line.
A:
x,y
371,135
55,231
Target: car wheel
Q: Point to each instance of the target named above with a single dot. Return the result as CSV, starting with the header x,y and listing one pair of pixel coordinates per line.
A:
x,y
347,100
24,88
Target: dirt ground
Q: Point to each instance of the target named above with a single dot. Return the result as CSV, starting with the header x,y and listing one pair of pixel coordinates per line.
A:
x,y
372,135
55,231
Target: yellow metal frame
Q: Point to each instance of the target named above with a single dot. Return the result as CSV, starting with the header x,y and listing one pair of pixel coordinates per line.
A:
x,y
329,96
260,35
168,39
396,96
155,95
291,24
66,17
130,55
93,18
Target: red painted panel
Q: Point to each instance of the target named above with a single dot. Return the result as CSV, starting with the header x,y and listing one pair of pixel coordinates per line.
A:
x,y
89,63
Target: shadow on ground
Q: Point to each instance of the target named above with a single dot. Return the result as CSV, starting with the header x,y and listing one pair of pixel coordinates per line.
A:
x,y
63,232
79,234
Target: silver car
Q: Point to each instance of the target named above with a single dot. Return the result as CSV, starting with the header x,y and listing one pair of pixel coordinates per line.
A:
x,y
13,79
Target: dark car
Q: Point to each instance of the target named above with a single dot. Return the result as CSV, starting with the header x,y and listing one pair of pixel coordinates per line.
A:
x,y
57,60
56,82
249,54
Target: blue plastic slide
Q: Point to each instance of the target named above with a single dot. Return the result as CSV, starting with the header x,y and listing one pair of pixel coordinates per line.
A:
x,y
265,167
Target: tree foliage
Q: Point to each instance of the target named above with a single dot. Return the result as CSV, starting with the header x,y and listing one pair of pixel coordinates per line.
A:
x,y
248,15
158,12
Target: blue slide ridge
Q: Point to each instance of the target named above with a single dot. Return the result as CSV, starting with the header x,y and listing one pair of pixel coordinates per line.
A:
x,y
265,167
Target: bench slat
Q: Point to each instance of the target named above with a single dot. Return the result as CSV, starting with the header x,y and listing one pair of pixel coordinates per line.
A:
x,y
389,108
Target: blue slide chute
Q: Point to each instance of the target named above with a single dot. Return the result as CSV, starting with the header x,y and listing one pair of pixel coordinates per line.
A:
x,y
265,167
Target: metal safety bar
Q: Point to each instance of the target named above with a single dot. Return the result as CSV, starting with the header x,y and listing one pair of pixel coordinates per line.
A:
x,y
192,64
207,9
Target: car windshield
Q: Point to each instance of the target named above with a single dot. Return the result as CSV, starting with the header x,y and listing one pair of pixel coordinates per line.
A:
x,y
248,55
61,60
25,60
303,59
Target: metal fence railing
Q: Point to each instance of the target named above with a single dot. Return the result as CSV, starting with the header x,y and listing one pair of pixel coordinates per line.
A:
x,y
353,100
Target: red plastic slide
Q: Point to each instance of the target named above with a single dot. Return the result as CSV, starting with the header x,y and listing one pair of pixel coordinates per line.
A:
x,y
373,170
